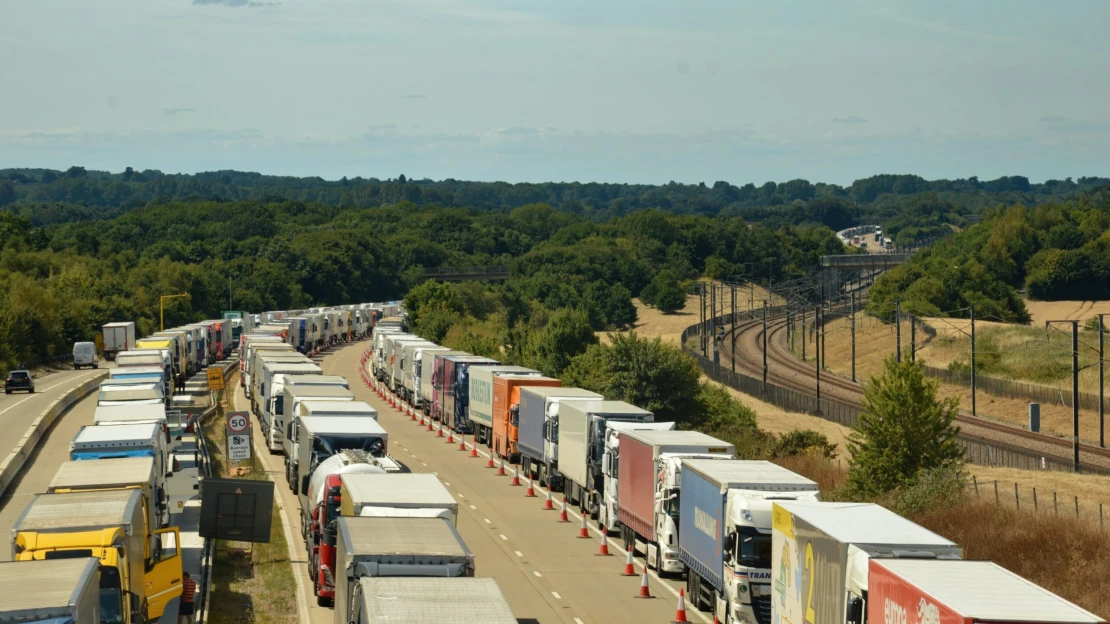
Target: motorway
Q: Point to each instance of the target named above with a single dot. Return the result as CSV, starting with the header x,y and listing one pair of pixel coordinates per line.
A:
x,y
18,410
546,574
53,449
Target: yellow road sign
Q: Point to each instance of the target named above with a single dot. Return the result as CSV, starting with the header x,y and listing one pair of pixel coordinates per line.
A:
x,y
215,378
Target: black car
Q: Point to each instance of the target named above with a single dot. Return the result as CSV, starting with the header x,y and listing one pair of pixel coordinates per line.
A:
x,y
19,380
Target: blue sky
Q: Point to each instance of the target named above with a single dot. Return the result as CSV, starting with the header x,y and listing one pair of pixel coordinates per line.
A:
x,y
644,91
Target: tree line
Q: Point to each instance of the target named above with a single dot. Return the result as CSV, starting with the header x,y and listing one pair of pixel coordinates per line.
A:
x,y
60,282
1053,251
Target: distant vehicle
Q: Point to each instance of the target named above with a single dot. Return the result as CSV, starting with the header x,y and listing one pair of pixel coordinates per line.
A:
x,y
118,337
19,380
84,354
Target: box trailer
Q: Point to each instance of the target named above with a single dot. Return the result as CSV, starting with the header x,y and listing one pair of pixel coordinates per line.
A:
x,y
480,406
410,376
270,387
400,600
647,486
429,381
52,591
582,431
962,592
821,556
385,547
121,473
409,495
293,396
118,337
123,440
453,379
538,430
725,533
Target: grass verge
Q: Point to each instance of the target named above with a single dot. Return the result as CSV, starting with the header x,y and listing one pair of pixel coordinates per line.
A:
x,y
266,591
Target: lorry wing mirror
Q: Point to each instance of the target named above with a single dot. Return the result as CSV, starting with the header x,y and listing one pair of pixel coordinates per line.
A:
x,y
855,610
304,485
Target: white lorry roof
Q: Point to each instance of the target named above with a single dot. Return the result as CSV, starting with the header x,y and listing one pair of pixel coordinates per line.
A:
x,y
338,408
985,591
29,587
676,438
741,474
863,523
341,425
401,536
88,509
119,371
409,600
397,489
124,413
316,380
308,392
560,392
607,407
114,471
116,433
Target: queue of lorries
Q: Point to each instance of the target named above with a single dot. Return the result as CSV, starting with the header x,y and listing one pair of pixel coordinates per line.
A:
x,y
381,543
97,546
754,540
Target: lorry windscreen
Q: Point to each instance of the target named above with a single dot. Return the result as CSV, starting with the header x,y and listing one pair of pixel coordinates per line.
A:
x,y
754,548
325,446
111,596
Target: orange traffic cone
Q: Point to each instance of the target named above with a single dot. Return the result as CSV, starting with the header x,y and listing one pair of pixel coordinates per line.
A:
x,y
412,414
563,512
439,434
604,550
489,462
462,443
531,491
629,567
450,437
644,591
584,532
430,427
501,467
516,478
474,449
547,504
680,612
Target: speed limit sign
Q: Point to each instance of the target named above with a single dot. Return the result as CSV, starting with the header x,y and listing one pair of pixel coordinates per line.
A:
x,y
238,422
238,436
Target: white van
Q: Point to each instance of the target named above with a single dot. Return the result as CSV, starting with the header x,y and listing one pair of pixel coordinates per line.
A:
x,y
84,354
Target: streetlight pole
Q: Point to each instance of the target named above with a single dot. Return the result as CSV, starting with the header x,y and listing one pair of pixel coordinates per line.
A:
x,y
1101,384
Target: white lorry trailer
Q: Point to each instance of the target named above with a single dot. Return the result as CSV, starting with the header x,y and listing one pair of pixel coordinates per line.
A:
x,y
582,427
273,422
821,555
538,430
118,337
385,547
52,591
401,600
410,375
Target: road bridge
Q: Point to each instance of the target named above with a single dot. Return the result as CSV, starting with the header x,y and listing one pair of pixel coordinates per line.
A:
x,y
467,274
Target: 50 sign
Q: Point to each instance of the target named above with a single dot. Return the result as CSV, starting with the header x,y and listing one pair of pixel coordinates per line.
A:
x,y
238,436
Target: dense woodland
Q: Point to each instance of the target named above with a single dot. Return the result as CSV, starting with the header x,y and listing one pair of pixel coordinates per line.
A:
x,y
80,248
1053,251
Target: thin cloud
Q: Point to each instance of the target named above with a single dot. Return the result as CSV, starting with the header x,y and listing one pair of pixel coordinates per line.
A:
x,y
940,27
250,4
850,119
414,96
1078,126
174,111
1052,119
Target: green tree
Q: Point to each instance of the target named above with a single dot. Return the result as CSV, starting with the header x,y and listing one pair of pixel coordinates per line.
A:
x,y
904,430
7,192
566,335
648,373
669,296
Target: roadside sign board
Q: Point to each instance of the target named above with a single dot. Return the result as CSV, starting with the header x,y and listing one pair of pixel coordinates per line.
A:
x,y
215,378
238,436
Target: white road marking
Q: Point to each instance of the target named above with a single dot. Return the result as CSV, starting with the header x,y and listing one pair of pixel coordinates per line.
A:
x,y
447,483
503,538
518,553
487,521
537,573
557,596
473,507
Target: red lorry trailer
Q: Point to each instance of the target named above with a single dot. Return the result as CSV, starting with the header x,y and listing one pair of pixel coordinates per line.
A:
x,y
938,591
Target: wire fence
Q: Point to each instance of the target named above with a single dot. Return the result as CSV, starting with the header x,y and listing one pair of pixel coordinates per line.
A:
x,y
1027,498
1016,389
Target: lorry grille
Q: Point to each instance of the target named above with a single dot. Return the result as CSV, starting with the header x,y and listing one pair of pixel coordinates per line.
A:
x,y
762,608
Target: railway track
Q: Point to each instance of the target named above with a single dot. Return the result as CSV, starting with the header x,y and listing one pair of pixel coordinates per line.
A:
x,y
787,370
